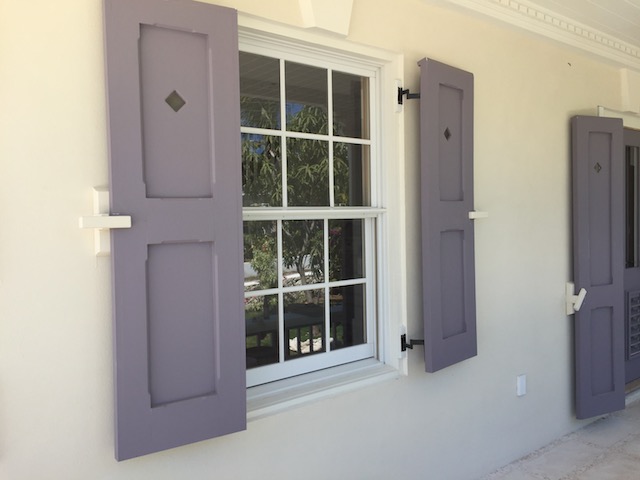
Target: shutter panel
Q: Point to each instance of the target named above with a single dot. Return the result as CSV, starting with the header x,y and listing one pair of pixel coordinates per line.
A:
x,y
448,273
598,262
172,78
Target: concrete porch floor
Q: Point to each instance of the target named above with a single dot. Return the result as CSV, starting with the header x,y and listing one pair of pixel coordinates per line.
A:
x,y
607,449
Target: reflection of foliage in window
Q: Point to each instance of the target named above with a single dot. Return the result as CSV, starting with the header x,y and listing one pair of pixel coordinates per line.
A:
x,y
341,174
260,248
307,185
307,172
336,241
261,170
304,249
261,154
258,112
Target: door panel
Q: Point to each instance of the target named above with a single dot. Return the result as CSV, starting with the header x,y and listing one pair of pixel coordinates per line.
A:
x,y
172,77
598,264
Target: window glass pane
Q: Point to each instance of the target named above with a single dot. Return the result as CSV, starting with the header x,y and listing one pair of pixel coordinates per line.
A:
x,y
346,249
303,252
351,175
347,316
304,323
261,318
259,91
260,256
350,105
307,95
261,171
307,172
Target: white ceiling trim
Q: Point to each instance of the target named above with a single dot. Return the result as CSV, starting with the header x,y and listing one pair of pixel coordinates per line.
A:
x,y
531,17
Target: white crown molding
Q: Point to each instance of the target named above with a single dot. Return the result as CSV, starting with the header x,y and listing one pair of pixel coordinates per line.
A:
x,y
526,15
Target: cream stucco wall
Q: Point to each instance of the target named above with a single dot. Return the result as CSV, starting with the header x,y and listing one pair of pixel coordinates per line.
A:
x,y
56,408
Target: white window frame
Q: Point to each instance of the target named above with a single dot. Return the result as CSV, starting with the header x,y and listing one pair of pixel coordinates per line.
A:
x,y
369,215
256,35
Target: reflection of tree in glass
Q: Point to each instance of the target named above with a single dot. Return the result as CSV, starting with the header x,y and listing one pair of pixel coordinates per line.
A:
x,y
341,174
336,241
307,185
260,249
261,171
303,250
263,254
261,154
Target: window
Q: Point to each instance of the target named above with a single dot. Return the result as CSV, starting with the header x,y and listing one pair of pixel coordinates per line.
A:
x,y
310,220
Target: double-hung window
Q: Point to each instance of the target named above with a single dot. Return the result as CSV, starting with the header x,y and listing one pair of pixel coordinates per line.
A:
x,y
310,216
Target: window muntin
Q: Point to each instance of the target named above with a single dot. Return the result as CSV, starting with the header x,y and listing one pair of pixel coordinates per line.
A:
x,y
309,265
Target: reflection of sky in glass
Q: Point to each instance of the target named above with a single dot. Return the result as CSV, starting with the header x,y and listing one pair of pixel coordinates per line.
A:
x,y
293,109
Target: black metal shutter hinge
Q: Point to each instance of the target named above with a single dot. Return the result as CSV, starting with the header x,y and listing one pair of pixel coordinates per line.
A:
x,y
402,93
404,345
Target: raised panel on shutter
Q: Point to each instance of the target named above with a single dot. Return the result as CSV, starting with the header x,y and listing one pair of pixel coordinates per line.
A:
x,y
448,272
598,263
172,73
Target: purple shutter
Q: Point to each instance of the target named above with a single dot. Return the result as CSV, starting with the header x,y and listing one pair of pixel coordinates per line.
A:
x,y
172,74
448,275
598,262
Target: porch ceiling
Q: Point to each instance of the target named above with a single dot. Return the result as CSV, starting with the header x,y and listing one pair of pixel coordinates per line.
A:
x,y
607,28
618,18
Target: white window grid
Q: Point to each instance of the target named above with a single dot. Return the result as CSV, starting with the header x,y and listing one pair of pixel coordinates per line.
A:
x,y
370,215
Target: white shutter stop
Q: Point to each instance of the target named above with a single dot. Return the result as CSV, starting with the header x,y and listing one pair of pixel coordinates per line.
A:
x,y
573,302
102,221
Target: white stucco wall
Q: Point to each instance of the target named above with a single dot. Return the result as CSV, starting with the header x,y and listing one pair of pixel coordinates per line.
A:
x,y
56,407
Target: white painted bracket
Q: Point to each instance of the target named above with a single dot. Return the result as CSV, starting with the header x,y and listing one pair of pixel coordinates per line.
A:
x,y
397,105
332,16
474,215
573,302
102,221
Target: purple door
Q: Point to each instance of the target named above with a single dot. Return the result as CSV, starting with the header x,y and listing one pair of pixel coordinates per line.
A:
x,y
598,262
448,262
172,73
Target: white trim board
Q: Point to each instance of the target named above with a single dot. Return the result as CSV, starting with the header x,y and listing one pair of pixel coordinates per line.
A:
x,y
629,119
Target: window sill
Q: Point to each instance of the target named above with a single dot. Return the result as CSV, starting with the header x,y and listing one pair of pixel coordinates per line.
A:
x,y
276,397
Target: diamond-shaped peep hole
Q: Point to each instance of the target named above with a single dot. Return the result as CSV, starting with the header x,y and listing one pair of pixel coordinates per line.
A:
x,y
447,134
597,167
175,101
